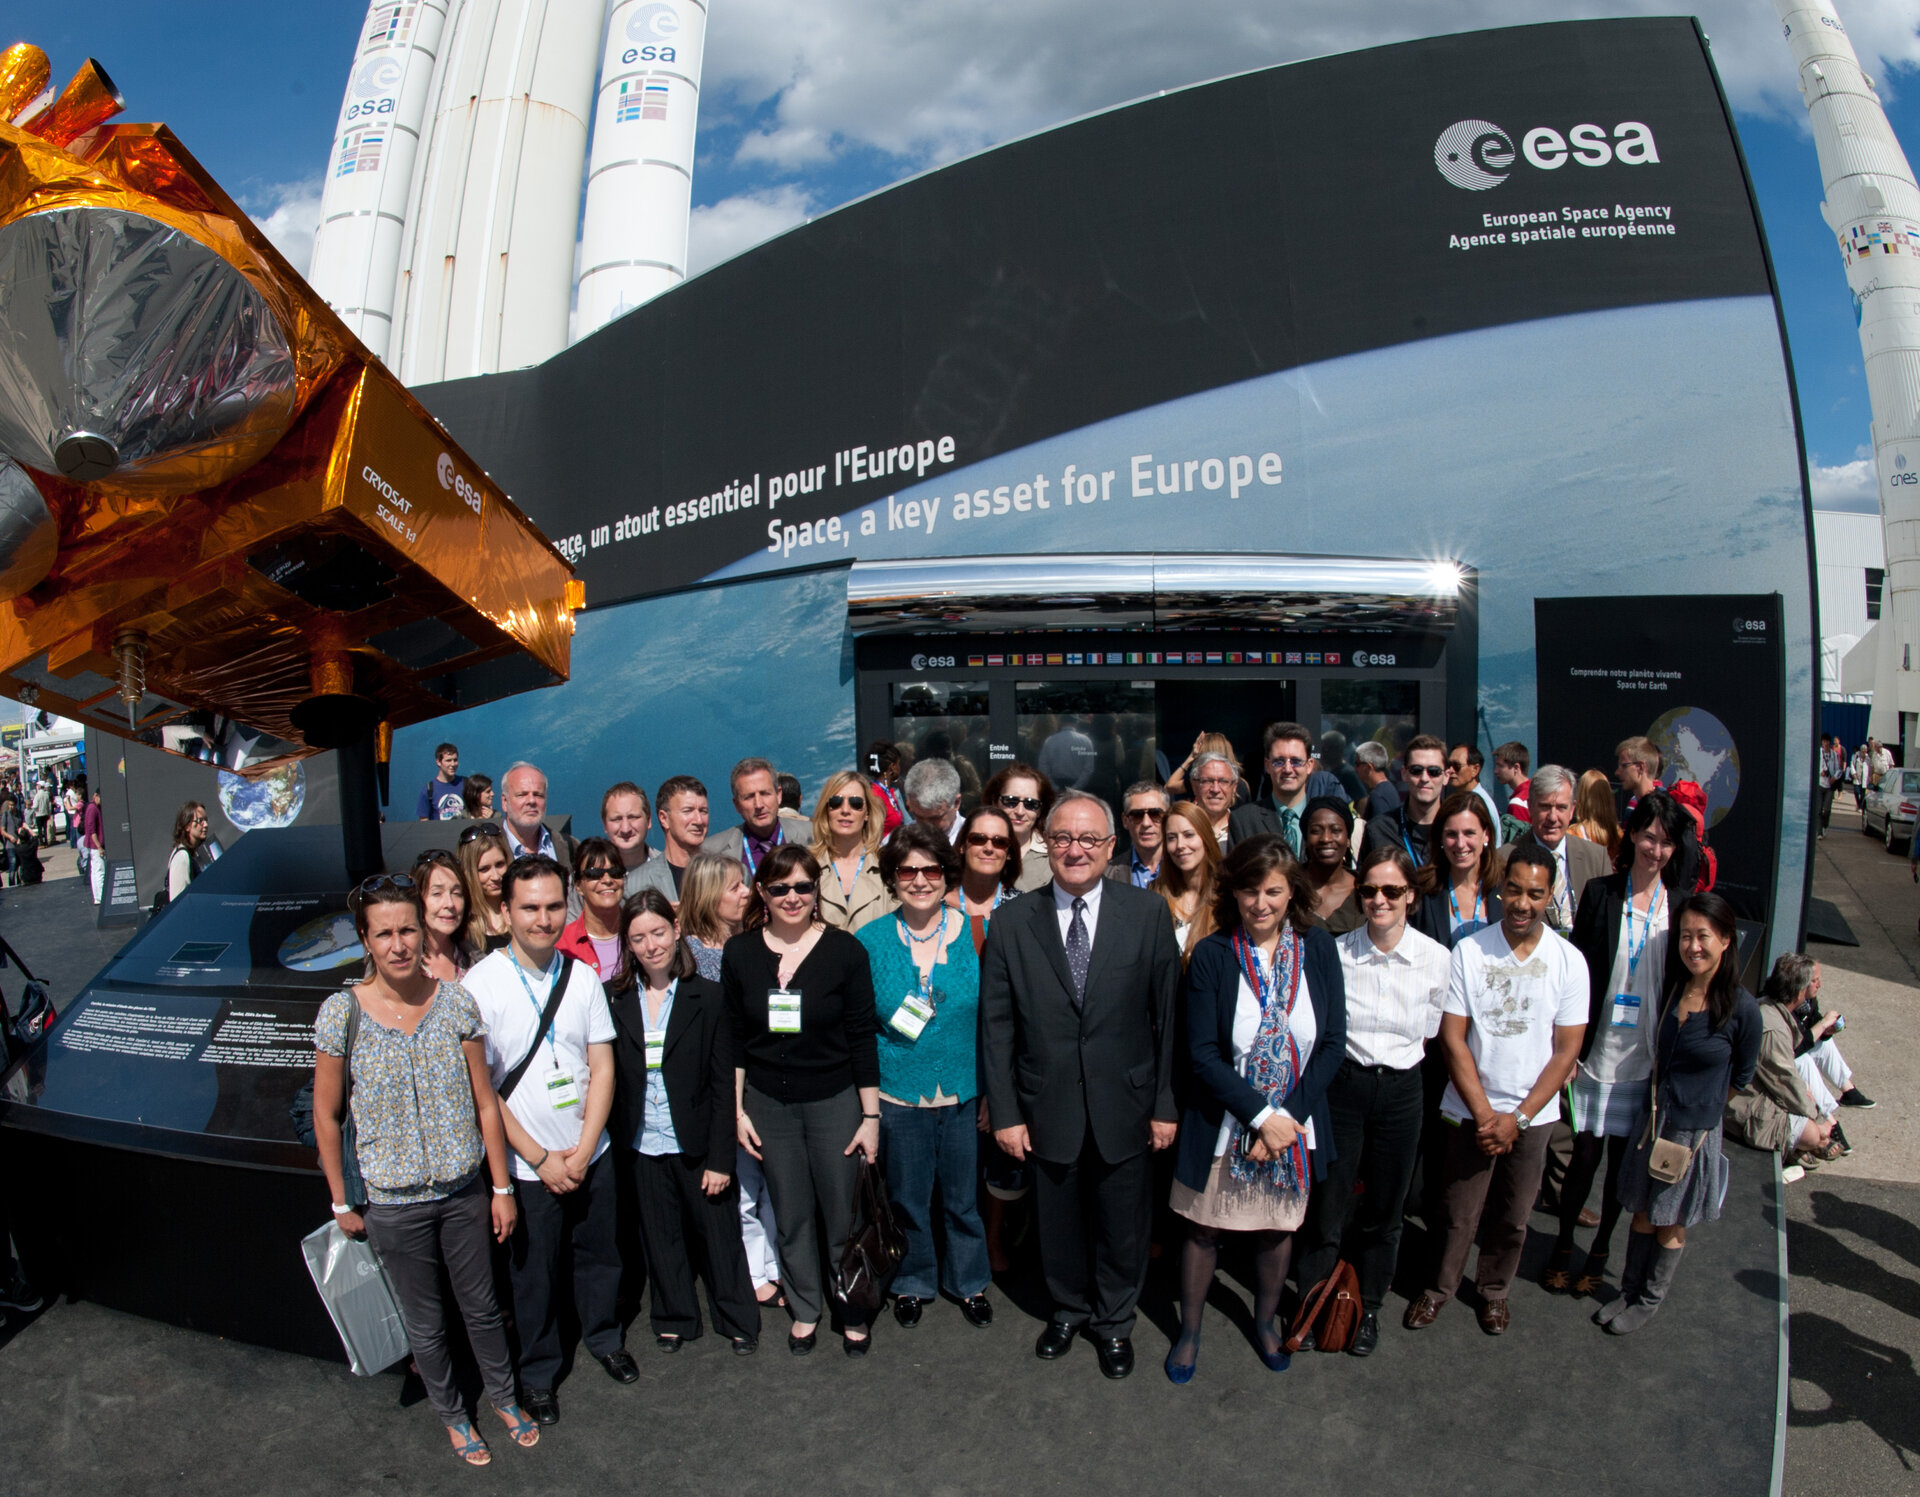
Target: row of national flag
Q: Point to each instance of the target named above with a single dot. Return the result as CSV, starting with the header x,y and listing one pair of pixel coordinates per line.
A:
x,y
1160,657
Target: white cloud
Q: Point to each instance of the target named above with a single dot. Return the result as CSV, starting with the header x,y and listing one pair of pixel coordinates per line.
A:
x,y
735,224
929,83
289,215
1849,486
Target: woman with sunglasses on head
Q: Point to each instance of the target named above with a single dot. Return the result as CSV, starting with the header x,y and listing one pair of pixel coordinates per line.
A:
x,y
407,1051
926,979
673,1118
593,936
1706,1046
484,859
715,899
1396,985
847,824
1621,929
1457,889
445,952
1266,1023
1026,796
802,1048
1189,859
1326,851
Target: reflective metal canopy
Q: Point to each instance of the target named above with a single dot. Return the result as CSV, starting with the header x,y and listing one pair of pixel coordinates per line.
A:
x,y
1144,591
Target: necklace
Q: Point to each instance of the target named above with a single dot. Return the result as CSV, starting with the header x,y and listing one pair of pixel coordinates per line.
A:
x,y
934,934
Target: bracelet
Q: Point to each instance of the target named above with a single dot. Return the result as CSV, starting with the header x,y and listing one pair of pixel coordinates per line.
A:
x,y
545,1155
343,1211
503,1190
871,1116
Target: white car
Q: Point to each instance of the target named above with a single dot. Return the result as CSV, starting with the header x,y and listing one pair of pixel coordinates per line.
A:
x,y
1892,806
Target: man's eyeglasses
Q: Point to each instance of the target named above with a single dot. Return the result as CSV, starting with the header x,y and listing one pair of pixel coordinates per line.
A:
x,y
1213,779
852,802
1061,841
480,829
803,887
920,873
1016,802
1426,771
988,839
1287,762
1147,813
1382,891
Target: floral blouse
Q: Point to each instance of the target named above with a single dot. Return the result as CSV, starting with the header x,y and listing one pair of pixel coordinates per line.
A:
x,y
416,1133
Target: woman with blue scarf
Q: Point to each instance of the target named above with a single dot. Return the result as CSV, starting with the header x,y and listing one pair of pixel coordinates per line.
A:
x,y
1266,1015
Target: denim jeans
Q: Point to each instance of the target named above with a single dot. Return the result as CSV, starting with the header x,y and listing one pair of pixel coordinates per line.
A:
x,y
922,1146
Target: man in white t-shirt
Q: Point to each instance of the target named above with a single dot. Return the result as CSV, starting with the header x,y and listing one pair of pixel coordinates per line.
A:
x,y
1515,1013
556,1122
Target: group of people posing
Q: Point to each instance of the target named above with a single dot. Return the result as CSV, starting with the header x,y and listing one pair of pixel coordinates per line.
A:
x,y
1264,1022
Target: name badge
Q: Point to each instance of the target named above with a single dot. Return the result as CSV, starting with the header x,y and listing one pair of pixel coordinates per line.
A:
x,y
783,1010
1626,1010
656,1049
911,1017
562,1092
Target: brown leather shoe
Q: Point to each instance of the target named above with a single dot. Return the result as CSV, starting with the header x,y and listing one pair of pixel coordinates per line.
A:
x,y
1421,1313
1494,1316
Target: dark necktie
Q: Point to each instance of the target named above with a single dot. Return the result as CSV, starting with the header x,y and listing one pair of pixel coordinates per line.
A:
x,y
1290,828
1079,952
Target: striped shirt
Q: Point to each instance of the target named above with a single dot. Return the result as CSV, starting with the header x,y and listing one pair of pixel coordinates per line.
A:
x,y
1393,997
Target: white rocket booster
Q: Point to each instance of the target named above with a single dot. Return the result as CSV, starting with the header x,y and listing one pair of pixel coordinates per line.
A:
x,y
640,180
1873,207
356,253
487,263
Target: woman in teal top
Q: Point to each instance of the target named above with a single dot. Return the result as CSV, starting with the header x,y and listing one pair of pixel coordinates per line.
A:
x,y
926,989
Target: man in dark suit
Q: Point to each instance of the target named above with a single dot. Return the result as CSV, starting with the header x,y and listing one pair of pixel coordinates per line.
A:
x,y
1077,987
1292,780
763,825
1550,800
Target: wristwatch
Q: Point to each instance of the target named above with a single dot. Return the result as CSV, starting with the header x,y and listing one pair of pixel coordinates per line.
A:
x,y
1520,1120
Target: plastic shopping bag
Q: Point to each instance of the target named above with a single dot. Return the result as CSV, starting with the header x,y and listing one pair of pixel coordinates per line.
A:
x,y
355,1290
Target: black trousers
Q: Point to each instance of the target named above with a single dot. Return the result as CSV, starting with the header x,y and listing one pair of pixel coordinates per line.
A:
x,y
584,1221
667,1191
1376,1117
1095,1222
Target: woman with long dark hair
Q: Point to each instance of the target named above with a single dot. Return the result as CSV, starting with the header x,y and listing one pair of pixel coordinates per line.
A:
x,y
1705,1048
1266,1015
1458,889
1621,929
188,854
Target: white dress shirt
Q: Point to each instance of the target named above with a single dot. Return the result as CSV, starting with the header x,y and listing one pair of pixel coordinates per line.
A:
x,y
1063,909
1301,1024
1394,998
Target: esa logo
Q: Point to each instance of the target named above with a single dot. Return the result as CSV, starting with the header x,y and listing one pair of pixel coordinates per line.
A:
x,y
933,662
1374,657
648,28
1478,154
450,479
1749,626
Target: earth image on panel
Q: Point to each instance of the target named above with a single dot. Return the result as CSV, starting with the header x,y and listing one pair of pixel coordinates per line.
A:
x,y
323,943
273,800
1698,747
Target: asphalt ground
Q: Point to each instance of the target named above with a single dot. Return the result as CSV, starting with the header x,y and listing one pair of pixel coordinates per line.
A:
x,y
1853,1226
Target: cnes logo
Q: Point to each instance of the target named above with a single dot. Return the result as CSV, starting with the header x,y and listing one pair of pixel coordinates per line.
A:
x,y
1478,154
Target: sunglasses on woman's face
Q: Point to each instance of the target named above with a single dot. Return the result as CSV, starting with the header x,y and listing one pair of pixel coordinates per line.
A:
x,y
1383,891
804,888
852,802
987,839
601,871
480,829
920,873
1013,802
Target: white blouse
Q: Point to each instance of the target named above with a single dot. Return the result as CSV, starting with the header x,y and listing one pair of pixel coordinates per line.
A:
x,y
1246,1025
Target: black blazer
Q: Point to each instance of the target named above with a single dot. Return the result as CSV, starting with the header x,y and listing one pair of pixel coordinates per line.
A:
x,y
699,1083
1596,936
1060,1071
1433,914
1212,994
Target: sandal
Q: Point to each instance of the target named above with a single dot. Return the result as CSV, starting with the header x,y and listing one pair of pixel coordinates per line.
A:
x,y
467,1444
1590,1278
777,1299
520,1429
1558,1278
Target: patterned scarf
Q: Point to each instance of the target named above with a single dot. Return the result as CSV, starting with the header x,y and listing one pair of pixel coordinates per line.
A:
x,y
1273,1061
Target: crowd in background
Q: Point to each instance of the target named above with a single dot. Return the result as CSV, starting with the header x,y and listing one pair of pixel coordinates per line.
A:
x,y
1276,1001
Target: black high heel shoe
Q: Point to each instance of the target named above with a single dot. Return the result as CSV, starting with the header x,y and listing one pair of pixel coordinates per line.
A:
x,y
799,1346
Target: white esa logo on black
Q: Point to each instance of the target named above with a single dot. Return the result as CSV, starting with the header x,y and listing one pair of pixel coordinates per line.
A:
x,y
1478,154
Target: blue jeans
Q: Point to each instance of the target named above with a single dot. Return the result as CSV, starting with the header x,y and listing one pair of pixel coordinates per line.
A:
x,y
922,1146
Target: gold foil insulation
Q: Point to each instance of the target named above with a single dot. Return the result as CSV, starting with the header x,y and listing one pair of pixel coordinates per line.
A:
x,y
363,554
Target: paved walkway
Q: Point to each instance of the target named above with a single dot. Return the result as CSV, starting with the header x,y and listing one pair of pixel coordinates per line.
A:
x,y
1853,1226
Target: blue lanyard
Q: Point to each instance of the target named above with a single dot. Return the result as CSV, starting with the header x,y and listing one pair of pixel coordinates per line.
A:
x,y
553,975
926,977
1412,856
1479,903
846,889
1646,934
779,836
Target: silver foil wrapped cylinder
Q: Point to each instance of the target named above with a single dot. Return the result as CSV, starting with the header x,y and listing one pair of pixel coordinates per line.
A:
x,y
29,534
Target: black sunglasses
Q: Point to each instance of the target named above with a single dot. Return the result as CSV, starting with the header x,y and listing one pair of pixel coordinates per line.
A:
x,y
803,888
1031,803
480,829
856,802
380,883
600,871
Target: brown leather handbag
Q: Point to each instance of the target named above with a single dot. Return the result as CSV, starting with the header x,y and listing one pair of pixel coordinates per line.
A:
x,y
1331,1310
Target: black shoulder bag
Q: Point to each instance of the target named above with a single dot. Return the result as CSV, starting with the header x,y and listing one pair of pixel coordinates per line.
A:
x,y
512,1078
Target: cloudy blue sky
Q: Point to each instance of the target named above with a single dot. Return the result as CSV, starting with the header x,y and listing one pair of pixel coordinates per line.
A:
x,y
807,106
